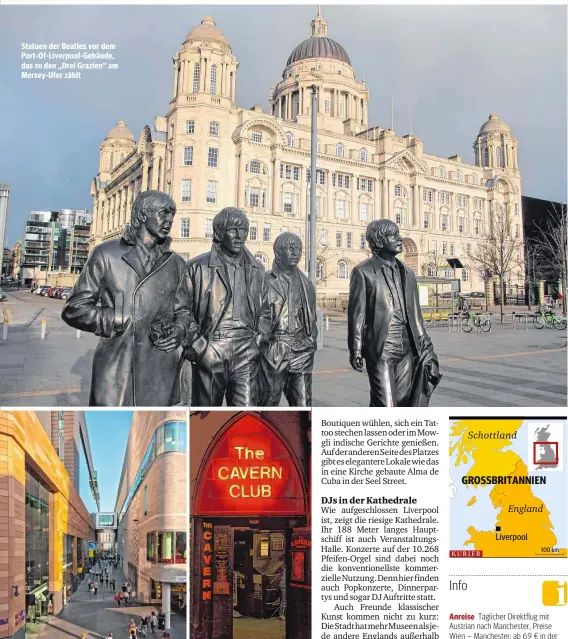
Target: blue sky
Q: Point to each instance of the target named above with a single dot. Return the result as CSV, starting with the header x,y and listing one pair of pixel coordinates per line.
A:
x,y
108,436
447,68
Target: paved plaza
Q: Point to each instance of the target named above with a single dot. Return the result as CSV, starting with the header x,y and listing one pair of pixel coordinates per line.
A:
x,y
97,615
505,367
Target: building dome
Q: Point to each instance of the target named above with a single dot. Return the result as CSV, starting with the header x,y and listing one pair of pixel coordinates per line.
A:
x,y
120,131
494,124
207,31
319,45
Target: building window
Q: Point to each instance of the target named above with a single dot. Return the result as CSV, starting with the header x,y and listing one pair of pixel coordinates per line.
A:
x,y
341,109
452,249
186,191
190,127
427,195
442,172
213,87
399,191
427,219
211,191
340,150
167,547
486,157
214,128
261,257
499,156
362,243
349,240
323,238
444,248
364,155
208,229
196,77
465,275
254,197
289,138
253,231
517,231
287,202
256,137
187,155
342,270
338,239
460,176
431,270
213,157
398,212
185,228
461,224
444,221
266,233
254,167
474,179
461,200
319,270
340,208
318,146
443,198
363,211
516,208
326,105
476,226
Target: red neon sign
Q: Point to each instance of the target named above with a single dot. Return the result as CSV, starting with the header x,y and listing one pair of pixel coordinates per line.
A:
x,y
250,471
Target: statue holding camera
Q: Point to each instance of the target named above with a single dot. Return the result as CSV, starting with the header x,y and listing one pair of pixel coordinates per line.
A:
x,y
133,294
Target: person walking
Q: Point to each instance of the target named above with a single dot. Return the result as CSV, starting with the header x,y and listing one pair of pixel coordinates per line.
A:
x,y
117,598
153,623
106,581
132,631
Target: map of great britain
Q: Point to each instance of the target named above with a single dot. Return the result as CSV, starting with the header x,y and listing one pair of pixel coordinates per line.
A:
x,y
508,488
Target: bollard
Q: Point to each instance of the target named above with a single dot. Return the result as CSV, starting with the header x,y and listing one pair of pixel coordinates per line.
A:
x,y
43,329
78,336
327,322
4,331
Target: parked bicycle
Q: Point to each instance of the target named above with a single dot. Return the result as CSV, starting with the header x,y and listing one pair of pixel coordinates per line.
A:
x,y
479,321
550,319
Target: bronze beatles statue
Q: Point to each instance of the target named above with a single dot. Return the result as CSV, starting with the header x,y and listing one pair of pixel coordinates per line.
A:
x,y
289,329
132,293
385,326
227,298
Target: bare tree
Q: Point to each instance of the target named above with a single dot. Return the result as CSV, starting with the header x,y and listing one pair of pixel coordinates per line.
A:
x,y
551,242
498,251
533,261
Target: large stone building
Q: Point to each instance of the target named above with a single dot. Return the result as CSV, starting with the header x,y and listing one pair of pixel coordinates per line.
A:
x,y
208,152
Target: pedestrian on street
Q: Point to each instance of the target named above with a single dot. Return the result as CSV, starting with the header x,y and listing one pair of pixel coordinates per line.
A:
x,y
109,636
92,587
117,598
96,588
106,581
153,623
133,597
132,628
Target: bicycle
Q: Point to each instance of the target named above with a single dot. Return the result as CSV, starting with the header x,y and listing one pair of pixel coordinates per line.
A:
x,y
480,322
550,319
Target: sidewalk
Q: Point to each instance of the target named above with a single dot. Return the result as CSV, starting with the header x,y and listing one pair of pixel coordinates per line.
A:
x,y
97,615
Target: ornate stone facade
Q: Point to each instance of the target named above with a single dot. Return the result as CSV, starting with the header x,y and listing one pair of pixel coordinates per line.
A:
x,y
208,153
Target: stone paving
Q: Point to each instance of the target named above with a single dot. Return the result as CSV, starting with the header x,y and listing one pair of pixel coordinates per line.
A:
x,y
97,615
505,367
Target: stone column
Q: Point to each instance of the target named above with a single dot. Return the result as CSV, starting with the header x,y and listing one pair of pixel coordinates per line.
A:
x,y
420,204
233,87
389,199
354,211
276,184
415,205
330,203
384,194
175,78
241,185
376,199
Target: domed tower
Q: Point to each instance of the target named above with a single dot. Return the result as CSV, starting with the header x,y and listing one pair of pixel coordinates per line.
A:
x,y
205,65
342,99
495,146
118,143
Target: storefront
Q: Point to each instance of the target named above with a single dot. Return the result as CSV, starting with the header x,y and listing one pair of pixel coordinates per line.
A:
x,y
251,544
37,553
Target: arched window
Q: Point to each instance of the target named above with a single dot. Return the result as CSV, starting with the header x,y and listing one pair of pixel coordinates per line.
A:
x,y
254,167
442,172
499,156
486,157
196,77
262,258
318,146
289,138
340,150
319,270
431,270
465,275
342,270
213,87
398,212
364,156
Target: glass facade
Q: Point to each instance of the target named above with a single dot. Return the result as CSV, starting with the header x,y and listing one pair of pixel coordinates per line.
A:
x,y
166,547
67,563
37,549
169,437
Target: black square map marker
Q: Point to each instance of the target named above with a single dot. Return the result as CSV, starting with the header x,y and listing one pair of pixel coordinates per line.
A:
x,y
497,528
